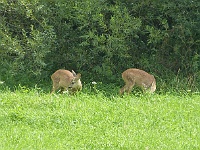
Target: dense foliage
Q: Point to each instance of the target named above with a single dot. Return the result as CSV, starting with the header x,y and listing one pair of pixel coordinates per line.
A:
x,y
100,39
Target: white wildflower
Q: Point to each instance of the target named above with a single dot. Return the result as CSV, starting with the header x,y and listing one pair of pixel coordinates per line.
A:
x,y
94,82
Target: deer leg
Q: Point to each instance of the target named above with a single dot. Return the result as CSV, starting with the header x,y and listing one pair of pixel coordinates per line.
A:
x,y
130,86
127,88
122,90
153,87
55,87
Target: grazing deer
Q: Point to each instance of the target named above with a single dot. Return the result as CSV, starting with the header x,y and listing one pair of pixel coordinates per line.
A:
x,y
137,77
66,80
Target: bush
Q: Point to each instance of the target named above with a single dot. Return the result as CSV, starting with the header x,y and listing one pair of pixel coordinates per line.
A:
x,y
100,39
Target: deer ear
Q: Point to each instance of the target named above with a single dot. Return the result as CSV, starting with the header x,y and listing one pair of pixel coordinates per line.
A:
x,y
74,73
78,76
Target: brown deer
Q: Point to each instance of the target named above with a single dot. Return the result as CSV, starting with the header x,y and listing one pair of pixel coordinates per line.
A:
x,y
137,77
66,81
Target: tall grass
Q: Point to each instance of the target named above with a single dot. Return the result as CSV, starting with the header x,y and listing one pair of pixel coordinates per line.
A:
x,y
97,119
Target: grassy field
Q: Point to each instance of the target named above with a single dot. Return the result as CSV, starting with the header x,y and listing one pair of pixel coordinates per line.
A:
x,y
33,119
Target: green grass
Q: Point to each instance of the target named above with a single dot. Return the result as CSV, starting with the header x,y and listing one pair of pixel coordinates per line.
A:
x,y
30,119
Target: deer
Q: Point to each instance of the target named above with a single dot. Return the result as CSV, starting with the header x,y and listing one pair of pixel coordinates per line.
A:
x,y
139,78
66,81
